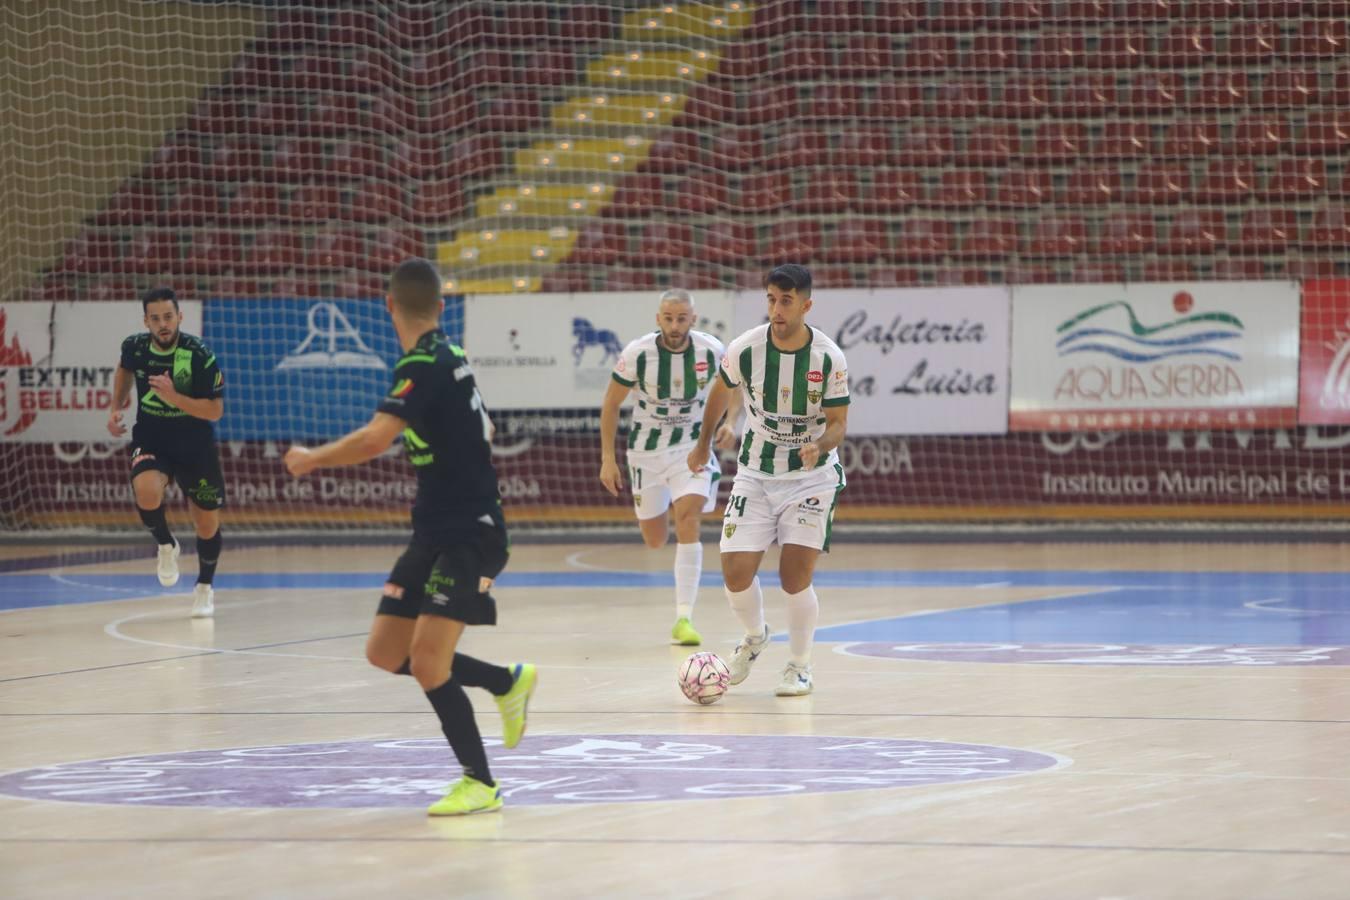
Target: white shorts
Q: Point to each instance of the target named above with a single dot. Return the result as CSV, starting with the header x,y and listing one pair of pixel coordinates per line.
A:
x,y
787,510
658,479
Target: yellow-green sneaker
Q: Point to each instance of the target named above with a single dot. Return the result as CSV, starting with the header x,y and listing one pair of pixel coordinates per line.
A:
x,y
466,797
515,703
684,634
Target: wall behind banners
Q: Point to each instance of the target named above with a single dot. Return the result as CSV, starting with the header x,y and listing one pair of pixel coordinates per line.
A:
x,y
304,369
57,362
921,361
556,351
1147,356
1324,364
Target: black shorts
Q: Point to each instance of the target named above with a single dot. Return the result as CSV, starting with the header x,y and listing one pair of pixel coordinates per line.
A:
x,y
450,576
194,465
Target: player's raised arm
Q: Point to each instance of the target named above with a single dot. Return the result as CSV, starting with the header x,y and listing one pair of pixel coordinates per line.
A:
x,y
361,445
611,476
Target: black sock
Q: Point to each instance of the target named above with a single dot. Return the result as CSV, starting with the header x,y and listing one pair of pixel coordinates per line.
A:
x,y
157,525
461,730
208,555
406,668
472,672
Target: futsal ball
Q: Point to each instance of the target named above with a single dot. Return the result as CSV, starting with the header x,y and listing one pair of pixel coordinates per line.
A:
x,y
704,677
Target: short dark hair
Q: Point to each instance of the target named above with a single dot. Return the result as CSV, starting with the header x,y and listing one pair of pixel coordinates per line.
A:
x,y
158,295
789,277
416,288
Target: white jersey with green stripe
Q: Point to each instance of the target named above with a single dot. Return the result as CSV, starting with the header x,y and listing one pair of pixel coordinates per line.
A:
x,y
786,395
671,388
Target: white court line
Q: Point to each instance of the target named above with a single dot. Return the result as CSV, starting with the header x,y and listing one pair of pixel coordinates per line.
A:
x,y
1260,606
113,629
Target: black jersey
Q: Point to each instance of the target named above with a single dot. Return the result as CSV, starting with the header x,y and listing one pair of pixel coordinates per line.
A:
x,y
447,438
195,374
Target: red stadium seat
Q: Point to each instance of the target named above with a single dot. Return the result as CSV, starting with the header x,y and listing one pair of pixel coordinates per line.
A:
x,y
1187,138
926,144
1171,270
992,143
1090,95
797,148
897,16
93,251
961,189
355,160
436,201
387,247
805,57
1123,140
377,200
929,54
861,148
1295,179
867,56
960,275
1220,91
1330,228
637,196
1285,89
275,250
888,276
1118,49
214,251
1022,188
828,190
1056,236
664,244
586,22
734,150
694,277
1238,269
708,104
297,159
1262,135
1026,97
766,192
566,280
1255,43
1267,230
1152,94
923,240
1159,183
832,277
1226,181
1093,271
1322,38
1125,235
894,101
673,152
991,53
237,159
790,241
728,243
832,101
315,203
989,238
961,15
1056,49
1092,186
1059,142
1310,269
960,99
134,203
174,162
195,203
340,249
858,241
630,280
600,244
1188,45
151,251
892,190
703,192
1196,232
1326,133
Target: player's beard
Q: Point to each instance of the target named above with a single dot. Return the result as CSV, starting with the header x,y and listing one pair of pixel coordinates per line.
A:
x,y
672,346
164,344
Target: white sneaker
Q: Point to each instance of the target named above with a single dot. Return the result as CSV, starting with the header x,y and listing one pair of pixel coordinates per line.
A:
x,y
203,602
796,681
745,654
168,564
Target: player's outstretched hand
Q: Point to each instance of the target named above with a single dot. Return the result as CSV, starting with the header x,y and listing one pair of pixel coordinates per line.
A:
x,y
611,476
698,459
727,438
115,426
810,455
299,461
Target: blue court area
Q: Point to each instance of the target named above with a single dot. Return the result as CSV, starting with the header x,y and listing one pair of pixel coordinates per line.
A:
x,y
1286,609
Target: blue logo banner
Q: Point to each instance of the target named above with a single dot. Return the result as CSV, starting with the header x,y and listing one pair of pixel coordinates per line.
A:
x,y
304,370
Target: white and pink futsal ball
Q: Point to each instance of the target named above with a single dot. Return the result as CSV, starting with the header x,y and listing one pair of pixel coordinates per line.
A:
x,y
704,677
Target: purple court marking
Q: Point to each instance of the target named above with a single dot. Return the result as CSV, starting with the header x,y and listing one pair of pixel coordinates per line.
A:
x,y
545,770
1107,654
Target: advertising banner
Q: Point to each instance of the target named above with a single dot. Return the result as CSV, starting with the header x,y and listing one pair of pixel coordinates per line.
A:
x,y
920,361
556,351
1155,356
302,370
57,362
1324,366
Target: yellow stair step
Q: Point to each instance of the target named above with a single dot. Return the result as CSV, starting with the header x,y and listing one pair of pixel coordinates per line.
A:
x,y
598,155
682,20
518,285
651,65
545,200
506,247
629,109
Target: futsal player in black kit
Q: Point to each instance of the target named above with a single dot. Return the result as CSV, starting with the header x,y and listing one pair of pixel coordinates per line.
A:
x,y
441,582
179,393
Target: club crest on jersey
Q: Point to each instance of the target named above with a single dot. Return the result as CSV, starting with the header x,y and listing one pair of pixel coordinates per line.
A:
x,y
813,396
729,530
815,377
786,394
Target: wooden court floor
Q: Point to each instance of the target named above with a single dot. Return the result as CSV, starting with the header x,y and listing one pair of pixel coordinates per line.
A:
x,y
1014,720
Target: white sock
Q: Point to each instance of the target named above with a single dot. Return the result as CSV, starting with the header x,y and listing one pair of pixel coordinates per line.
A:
x,y
748,606
802,611
688,568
